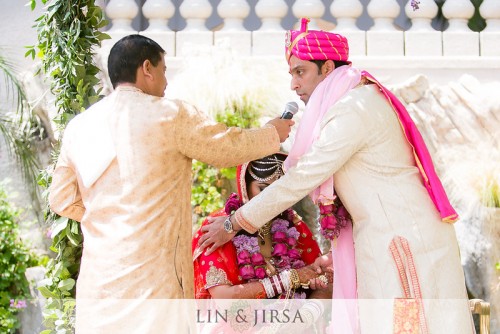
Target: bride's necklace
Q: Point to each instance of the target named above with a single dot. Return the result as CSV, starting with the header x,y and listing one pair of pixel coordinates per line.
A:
x,y
264,231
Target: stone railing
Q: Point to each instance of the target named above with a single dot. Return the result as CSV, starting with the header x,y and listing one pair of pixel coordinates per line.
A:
x,y
175,23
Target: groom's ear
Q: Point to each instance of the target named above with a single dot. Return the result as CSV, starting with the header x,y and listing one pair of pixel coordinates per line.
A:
x,y
328,67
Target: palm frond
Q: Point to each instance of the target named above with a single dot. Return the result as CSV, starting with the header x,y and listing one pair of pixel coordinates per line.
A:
x,y
19,128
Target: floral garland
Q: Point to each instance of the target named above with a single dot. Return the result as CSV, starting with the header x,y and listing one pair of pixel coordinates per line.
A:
x,y
333,218
284,236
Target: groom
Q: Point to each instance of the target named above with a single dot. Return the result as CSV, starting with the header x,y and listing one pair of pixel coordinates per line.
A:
x,y
356,131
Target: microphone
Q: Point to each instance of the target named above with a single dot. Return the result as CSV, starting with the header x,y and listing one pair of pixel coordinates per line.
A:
x,y
291,108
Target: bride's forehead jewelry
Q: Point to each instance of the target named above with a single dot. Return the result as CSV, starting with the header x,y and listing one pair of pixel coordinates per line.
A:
x,y
276,164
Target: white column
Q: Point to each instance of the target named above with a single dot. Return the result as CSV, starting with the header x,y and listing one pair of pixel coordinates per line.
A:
x,y
271,13
421,39
458,39
312,9
158,12
490,11
458,13
268,40
233,12
383,39
196,34
383,13
490,36
347,12
121,13
196,13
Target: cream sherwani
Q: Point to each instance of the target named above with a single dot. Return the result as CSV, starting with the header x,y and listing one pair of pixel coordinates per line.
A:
x,y
363,146
134,208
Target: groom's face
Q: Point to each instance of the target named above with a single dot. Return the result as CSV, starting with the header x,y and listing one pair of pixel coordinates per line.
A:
x,y
305,77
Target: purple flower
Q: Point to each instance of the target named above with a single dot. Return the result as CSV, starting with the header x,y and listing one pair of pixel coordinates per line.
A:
x,y
21,304
280,250
247,272
280,225
291,242
279,236
243,257
258,259
292,232
12,303
233,203
244,242
414,4
260,272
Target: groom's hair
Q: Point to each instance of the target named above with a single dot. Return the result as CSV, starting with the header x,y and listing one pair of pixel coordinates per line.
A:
x,y
320,63
128,54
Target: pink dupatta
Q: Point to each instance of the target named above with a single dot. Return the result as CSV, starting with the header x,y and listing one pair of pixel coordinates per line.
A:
x,y
326,94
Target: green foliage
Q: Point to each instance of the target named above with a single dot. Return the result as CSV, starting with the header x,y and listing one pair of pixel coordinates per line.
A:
x,y
490,192
68,35
20,129
15,258
208,191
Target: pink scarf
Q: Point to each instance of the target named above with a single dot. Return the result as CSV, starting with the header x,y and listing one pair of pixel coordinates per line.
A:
x,y
326,94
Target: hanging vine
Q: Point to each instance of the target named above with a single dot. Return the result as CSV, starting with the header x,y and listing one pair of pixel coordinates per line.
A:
x,y
68,34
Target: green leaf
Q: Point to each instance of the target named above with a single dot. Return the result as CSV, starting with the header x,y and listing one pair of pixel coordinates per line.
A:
x,y
66,284
46,292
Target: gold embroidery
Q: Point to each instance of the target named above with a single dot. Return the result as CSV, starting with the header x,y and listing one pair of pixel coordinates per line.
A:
x,y
216,276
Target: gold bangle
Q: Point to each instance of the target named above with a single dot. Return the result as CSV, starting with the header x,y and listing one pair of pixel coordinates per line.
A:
x,y
294,279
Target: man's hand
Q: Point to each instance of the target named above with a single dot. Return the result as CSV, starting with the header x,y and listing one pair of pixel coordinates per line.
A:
x,y
323,264
214,234
283,127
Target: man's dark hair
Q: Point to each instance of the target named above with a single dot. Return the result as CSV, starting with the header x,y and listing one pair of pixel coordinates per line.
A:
x,y
320,63
128,54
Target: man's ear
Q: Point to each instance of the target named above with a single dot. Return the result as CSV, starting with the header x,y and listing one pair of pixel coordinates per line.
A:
x,y
328,67
146,68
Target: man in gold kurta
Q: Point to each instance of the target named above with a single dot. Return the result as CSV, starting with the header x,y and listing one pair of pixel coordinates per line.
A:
x,y
124,172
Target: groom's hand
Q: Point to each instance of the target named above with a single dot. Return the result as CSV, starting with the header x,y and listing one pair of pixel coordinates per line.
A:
x,y
323,264
214,235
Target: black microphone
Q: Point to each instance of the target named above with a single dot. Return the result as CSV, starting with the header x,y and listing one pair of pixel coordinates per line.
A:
x,y
291,108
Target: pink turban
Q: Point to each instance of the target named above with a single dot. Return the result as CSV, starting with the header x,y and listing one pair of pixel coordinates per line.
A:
x,y
315,44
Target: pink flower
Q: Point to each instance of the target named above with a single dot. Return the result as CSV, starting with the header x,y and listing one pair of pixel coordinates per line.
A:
x,y
283,262
279,236
328,222
232,204
260,272
257,259
325,209
243,257
247,272
291,241
297,264
294,254
280,250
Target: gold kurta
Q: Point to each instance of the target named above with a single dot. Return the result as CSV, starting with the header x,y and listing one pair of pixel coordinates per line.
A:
x,y
136,217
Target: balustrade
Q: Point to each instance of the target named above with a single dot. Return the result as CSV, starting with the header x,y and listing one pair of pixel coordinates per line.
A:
x,y
383,39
